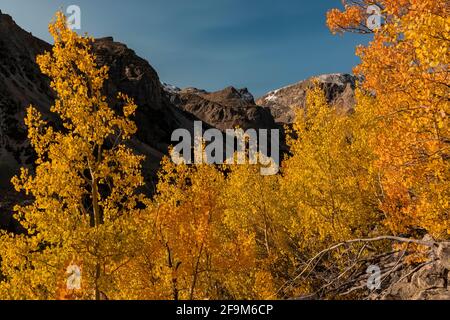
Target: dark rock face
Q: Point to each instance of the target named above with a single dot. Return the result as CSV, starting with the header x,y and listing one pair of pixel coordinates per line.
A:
x,y
21,84
338,88
156,117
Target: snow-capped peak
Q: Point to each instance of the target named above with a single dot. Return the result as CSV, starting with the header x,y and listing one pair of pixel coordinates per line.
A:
x,y
170,88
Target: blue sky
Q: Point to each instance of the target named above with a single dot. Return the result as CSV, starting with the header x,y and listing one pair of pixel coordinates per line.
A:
x,y
211,44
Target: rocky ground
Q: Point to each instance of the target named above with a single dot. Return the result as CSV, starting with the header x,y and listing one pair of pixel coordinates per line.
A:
x,y
428,280
406,272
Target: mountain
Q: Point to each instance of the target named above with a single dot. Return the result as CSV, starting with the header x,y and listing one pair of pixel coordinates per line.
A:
x,y
223,109
162,108
339,89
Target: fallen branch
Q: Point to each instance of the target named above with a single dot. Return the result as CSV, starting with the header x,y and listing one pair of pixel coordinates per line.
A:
x,y
289,283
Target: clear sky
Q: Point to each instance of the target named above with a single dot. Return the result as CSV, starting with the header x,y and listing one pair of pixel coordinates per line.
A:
x,y
211,44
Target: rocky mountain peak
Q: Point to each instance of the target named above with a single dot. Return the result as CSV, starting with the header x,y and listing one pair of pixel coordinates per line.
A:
x,y
22,84
231,96
6,19
339,90
223,109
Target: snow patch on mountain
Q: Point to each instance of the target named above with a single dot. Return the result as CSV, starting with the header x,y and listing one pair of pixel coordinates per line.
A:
x,y
170,88
272,96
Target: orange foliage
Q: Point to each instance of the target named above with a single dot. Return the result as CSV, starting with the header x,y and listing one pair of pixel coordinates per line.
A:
x,y
406,68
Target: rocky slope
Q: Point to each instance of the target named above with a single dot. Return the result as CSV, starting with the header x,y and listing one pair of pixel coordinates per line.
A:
x,y
338,88
21,84
156,117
